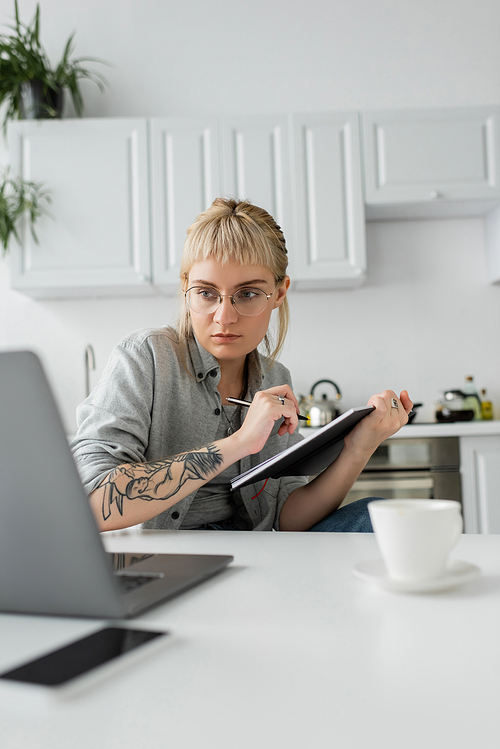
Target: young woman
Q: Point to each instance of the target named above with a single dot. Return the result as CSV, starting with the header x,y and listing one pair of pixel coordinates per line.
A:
x,y
157,440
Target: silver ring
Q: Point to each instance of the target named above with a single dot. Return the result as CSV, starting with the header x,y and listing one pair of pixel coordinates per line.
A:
x,y
281,399
394,403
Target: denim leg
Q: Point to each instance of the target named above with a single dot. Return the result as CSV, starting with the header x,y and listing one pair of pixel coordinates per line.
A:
x,y
352,518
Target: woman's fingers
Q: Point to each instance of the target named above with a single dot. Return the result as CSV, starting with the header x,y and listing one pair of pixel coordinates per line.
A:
x,y
269,406
283,392
284,405
390,408
406,401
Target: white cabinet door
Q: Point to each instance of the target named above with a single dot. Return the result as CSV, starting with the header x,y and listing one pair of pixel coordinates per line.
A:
x,y
256,166
98,241
185,181
431,157
330,222
492,242
106,222
480,467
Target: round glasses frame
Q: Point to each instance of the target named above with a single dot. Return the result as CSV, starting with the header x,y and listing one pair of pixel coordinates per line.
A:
x,y
231,297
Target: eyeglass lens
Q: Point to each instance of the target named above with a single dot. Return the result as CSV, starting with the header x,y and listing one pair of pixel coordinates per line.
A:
x,y
204,300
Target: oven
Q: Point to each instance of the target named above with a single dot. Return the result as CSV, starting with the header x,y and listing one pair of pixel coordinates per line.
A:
x,y
408,468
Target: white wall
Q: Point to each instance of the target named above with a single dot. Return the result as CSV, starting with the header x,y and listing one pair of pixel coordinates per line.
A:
x,y
426,316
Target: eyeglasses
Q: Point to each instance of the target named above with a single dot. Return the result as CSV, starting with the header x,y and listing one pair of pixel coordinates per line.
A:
x,y
249,302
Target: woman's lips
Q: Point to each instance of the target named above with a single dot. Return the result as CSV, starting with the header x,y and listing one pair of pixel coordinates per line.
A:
x,y
221,338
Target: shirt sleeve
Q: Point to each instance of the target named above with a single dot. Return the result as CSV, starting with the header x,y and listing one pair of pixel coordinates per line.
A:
x,y
113,423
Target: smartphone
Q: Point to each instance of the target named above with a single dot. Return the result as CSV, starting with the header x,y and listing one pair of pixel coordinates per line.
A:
x,y
71,661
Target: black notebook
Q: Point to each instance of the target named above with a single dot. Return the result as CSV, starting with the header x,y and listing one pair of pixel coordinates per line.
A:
x,y
310,456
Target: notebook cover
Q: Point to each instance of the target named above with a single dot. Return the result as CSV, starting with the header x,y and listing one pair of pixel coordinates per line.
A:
x,y
310,456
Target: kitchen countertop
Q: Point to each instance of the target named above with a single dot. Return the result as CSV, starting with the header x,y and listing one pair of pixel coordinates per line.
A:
x,y
456,429
434,429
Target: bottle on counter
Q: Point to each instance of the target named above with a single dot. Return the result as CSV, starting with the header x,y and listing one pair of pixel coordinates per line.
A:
x,y
486,406
472,400
439,408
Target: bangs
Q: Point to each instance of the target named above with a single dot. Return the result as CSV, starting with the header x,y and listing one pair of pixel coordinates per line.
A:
x,y
226,240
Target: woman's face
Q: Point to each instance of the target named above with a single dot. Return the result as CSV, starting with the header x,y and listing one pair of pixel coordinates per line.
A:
x,y
225,333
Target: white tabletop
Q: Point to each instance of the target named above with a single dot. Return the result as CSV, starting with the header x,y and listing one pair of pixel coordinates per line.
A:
x,y
285,648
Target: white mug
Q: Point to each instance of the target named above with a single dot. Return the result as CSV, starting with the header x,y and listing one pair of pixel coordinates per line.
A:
x,y
415,536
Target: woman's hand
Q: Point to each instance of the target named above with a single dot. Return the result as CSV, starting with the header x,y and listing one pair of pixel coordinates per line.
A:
x,y
267,407
382,423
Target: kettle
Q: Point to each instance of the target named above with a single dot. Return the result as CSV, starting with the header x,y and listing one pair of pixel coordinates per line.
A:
x,y
323,411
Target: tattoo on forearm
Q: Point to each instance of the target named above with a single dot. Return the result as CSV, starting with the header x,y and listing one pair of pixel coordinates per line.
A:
x,y
160,480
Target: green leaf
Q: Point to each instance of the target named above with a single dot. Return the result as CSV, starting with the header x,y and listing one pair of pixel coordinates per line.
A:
x,y
23,58
19,197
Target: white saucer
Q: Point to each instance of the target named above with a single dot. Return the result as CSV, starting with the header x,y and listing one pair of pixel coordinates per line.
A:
x,y
374,571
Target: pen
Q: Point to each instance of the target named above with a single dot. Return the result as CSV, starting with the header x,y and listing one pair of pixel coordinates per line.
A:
x,y
239,402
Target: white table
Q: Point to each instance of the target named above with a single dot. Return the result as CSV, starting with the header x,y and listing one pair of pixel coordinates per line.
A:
x,y
286,648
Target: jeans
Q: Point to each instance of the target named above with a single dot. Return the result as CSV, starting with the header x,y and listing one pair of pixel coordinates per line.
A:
x,y
352,518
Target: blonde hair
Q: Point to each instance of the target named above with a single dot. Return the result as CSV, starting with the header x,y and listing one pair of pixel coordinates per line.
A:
x,y
237,231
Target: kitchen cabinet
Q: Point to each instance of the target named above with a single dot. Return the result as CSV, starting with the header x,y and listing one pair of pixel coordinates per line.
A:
x,y
306,170
194,160
185,179
124,192
328,201
97,241
492,243
256,163
480,468
431,162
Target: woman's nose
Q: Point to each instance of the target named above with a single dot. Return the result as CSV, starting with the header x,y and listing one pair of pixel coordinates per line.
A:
x,y
225,312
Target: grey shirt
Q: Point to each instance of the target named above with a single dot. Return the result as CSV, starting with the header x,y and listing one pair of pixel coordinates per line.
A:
x,y
149,406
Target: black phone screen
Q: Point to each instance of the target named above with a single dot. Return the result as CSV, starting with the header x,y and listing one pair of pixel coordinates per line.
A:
x,y
81,656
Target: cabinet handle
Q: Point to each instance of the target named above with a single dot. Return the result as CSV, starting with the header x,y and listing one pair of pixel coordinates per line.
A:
x,y
143,279
435,194
377,484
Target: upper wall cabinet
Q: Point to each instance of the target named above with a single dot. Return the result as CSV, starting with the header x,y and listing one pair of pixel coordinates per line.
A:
x,y
492,242
431,162
185,180
125,191
98,240
194,160
329,232
306,171
257,165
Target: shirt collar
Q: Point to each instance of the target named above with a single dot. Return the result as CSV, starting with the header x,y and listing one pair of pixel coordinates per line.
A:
x,y
255,372
203,363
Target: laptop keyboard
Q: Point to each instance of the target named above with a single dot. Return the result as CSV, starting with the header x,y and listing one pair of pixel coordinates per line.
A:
x,y
128,583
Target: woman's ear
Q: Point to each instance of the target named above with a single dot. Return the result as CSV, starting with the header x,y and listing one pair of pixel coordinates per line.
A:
x,y
282,291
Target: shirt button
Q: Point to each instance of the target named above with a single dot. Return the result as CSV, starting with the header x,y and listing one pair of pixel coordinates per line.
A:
x,y
175,515
217,412
200,375
213,373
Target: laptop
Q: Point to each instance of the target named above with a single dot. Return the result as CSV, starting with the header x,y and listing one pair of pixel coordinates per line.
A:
x,y
52,560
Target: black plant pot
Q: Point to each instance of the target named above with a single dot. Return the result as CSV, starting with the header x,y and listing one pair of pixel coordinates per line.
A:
x,y
38,102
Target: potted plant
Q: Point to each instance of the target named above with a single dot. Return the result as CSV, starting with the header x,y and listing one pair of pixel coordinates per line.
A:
x,y
28,84
19,197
